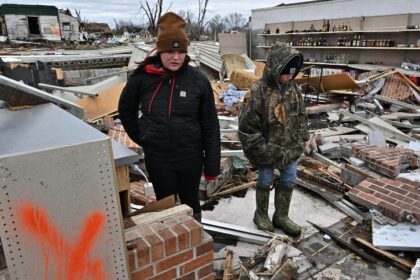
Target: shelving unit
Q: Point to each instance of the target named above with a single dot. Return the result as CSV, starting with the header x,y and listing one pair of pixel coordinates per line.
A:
x,y
375,29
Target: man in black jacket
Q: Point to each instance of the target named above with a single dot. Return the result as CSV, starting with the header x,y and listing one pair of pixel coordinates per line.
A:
x,y
178,127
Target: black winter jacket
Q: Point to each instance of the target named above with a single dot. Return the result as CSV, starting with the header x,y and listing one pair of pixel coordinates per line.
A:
x,y
178,117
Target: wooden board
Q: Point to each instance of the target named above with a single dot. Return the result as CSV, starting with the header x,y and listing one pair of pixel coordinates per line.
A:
x,y
123,178
102,105
330,82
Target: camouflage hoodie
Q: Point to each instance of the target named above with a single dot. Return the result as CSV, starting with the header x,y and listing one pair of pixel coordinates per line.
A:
x,y
273,122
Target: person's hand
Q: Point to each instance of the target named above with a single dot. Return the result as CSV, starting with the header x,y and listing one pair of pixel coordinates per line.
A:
x,y
210,178
210,181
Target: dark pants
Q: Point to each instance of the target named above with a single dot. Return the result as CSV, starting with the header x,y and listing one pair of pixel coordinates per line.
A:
x,y
177,177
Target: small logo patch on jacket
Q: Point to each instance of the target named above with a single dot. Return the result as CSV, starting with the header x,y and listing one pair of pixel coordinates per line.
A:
x,y
183,93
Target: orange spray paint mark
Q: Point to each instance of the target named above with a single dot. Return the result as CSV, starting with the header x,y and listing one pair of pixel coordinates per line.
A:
x,y
71,259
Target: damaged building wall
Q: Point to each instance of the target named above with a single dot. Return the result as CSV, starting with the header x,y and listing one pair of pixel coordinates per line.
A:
x,y
30,22
335,9
69,27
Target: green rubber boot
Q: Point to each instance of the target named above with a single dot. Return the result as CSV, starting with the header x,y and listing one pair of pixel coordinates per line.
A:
x,y
261,218
280,218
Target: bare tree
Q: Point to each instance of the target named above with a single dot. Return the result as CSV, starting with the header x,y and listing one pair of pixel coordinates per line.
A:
x,y
188,16
235,21
79,18
153,13
216,25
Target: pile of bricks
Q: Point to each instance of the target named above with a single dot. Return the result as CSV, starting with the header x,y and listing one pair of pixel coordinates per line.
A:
x,y
118,134
387,161
137,193
398,199
176,248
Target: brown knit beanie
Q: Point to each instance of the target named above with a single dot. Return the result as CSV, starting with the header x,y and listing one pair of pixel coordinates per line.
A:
x,y
171,35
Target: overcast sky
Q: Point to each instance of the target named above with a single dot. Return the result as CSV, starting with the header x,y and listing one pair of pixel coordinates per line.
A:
x,y
108,10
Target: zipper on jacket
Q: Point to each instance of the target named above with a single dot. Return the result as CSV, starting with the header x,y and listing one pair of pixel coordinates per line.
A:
x,y
170,97
153,96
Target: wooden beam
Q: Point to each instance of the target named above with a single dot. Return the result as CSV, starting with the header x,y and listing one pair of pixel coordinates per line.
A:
x,y
401,263
233,190
345,244
228,265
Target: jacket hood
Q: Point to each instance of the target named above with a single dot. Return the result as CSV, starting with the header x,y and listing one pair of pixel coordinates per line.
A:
x,y
281,57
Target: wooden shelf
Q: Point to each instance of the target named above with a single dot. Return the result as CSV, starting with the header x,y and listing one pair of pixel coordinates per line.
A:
x,y
355,48
341,32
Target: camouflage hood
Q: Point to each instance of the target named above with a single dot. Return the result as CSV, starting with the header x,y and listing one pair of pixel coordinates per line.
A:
x,y
280,58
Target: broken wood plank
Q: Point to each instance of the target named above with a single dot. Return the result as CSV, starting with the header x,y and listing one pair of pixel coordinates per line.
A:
x,y
234,189
339,130
162,204
324,108
228,265
399,103
345,244
406,265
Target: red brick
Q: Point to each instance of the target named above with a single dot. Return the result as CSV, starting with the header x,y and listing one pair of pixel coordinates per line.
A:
x,y
409,201
204,271
408,188
174,260
210,277
156,245
409,182
365,190
204,248
385,198
170,241
189,276
195,231
143,252
197,262
132,259
414,196
394,183
168,275
365,183
354,191
390,210
379,189
182,235
156,227
132,235
369,198
170,222
394,189
143,273
145,230
397,196
183,218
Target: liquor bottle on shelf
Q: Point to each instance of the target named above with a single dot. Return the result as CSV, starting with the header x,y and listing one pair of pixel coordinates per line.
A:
x,y
268,30
277,30
344,27
324,42
354,42
349,27
334,28
328,26
312,28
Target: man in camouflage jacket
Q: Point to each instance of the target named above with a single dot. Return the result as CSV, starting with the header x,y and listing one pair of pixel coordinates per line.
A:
x,y
273,130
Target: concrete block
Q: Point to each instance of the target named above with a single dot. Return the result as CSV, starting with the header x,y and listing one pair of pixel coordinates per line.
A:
x,y
328,148
346,150
356,162
376,138
350,177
